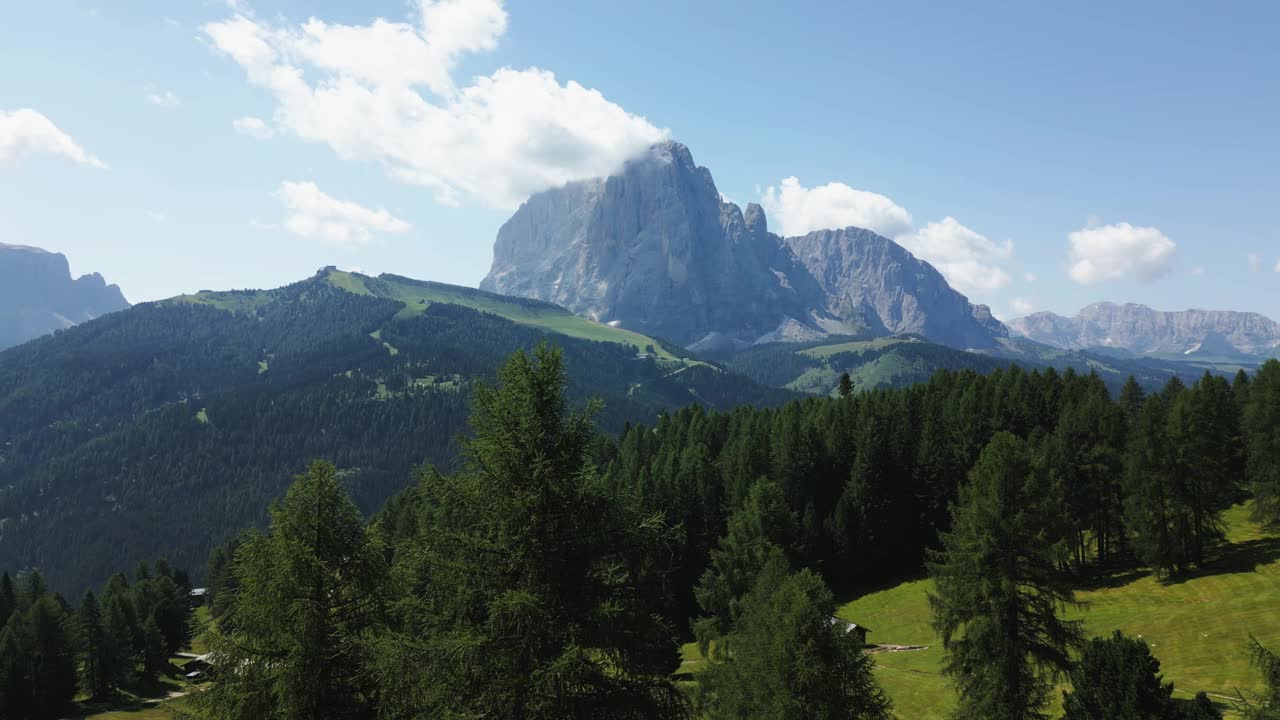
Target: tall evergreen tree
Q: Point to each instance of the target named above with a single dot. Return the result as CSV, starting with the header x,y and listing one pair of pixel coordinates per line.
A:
x,y
1156,518
789,660
308,590
535,591
121,651
52,658
763,529
997,592
96,677
1262,440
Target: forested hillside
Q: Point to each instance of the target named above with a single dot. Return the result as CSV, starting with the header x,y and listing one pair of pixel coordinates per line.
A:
x,y
162,430
554,572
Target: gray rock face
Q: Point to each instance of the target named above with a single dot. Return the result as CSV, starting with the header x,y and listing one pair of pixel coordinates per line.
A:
x,y
1142,330
873,280
38,295
654,248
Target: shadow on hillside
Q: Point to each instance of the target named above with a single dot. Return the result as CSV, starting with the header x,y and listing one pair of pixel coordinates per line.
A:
x,y
1236,558
1114,579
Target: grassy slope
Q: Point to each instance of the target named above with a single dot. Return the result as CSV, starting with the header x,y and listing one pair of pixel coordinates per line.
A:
x,y
1197,628
549,317
417,296
825,351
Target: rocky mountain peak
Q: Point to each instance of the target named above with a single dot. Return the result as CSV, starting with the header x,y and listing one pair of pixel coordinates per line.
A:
x,y
38,294
653,247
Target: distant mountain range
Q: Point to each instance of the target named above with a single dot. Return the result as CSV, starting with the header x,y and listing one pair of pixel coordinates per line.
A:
x,y
656,249
1140,330
38,294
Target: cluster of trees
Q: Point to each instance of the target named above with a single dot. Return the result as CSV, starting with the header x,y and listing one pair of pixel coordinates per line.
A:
x,y
50,651
520,586
871,476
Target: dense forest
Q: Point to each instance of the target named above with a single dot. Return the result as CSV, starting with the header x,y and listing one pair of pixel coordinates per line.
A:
x,y
553,572
164,430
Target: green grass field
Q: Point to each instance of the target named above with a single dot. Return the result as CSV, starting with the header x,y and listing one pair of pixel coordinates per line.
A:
x,y
418,297
1197,627
825,351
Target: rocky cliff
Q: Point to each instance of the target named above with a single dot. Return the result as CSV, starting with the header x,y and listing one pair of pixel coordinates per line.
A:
x,y
1142,330
38,294
653,247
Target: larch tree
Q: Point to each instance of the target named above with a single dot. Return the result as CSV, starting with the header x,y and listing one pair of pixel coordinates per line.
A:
x,y
307,591
997,593
535,591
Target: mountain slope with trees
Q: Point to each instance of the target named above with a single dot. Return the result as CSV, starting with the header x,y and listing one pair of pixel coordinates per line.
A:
x,y
162,430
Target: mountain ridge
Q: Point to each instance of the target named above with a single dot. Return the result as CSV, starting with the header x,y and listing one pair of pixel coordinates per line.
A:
x,y
655,248
38,294
1142,330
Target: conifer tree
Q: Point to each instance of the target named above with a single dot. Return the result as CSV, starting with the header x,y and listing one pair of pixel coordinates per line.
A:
x,y
52,658
1117,677
535,591
997,593
1262,439
762,530
1155,518
96,676
846,385
789,659
308,590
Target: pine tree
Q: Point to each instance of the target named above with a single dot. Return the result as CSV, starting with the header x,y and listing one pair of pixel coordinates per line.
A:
x,y
535,591
997,593
308,590
1262,439
762,530
846,385
52,658
1153,513
96,677
1117,677
121,634
790,660
155,649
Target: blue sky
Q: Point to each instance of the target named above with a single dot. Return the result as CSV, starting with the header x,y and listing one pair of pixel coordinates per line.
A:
x,y
1043,157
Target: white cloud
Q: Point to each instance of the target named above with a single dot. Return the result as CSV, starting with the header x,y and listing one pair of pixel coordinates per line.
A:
x,y
1119,251
315,214
1029,277
253,127
1255,262
1197,271
385,92
969,260
157,216
164,99
26,130
1022,306
797,209
1278,266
